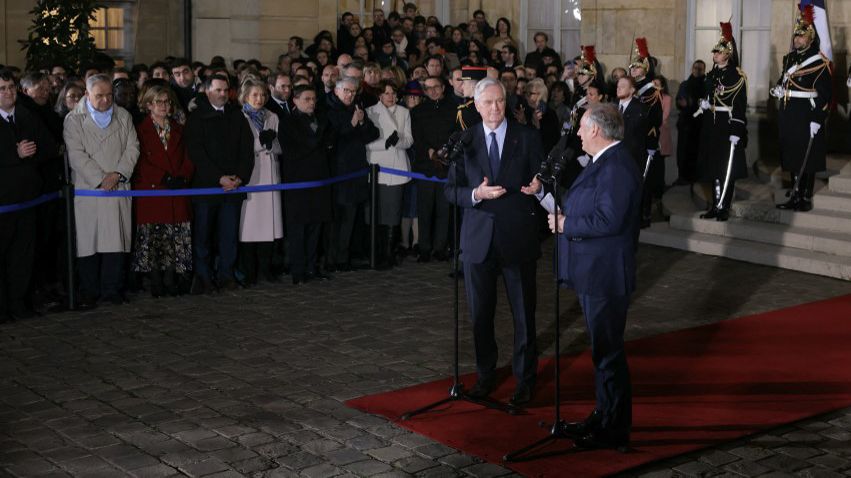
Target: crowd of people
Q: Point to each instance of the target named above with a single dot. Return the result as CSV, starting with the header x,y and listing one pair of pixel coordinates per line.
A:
x,y
390,94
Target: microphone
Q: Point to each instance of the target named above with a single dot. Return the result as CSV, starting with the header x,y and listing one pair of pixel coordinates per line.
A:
x,y
554,162
455,144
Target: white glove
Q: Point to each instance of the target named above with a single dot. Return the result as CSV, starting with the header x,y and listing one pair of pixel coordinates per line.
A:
x,y
777,91
734,139
848,82
704,105
651,152
814,127
584,160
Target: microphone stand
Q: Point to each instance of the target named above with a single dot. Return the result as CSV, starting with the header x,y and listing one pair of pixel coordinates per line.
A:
x,y
453,150
557,430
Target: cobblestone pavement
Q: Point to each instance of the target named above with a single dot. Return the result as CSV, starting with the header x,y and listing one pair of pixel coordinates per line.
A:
x,y
251,383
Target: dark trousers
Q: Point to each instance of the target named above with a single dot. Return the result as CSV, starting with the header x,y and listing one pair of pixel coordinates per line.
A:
x,y
17,251
304,242
432,216
349,228
519,279
606,319
219,222
49,256
256,260
101,275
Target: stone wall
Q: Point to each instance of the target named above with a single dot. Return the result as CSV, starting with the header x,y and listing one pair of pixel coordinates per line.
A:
x,y
611,25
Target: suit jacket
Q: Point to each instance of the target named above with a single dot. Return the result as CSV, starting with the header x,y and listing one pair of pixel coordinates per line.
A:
x,y
597,247
219,144
635,127
19,178
509,222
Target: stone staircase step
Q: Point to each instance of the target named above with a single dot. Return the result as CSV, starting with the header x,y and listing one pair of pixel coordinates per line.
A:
x,y
827,242
662,234
840,184
817,219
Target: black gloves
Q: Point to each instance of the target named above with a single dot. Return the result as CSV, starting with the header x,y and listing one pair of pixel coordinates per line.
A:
x,y
175,182
267,138
392,140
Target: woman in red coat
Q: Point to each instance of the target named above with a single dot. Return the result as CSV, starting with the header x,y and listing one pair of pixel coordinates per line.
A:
x,y
163,235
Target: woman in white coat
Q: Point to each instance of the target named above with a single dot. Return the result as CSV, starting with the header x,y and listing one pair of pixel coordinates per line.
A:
x,y
389,151
262,217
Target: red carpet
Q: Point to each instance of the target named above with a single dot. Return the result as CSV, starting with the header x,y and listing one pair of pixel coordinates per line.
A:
x,y
692,389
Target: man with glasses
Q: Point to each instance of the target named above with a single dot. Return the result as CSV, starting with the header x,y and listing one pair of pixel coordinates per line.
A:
x,y
432,122
354,131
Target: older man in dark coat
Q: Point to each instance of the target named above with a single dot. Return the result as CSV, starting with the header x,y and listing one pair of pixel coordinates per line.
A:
x,y
354,131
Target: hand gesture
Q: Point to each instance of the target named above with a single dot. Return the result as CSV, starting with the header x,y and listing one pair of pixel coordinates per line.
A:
x,y
484,192
110,181
357,116
532,188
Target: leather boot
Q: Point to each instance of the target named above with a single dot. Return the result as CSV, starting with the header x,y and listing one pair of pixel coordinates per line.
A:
x,y
724,210
795,199
808,182
712,213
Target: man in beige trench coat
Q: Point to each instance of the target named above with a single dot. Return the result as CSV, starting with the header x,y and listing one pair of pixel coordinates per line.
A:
x,y
102,151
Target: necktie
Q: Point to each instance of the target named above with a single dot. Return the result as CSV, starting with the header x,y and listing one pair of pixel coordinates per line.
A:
x,y
621,108
493,155
12,120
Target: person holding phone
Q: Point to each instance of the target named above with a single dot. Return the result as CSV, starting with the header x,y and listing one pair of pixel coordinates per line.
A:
x,y
539,116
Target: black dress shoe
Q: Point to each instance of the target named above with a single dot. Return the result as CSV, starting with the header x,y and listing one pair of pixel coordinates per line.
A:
x,y
723,215
20,311
424,257
604,439
299,279
318,275
579,429
522,396
115,299
804,205
792,204
343,267
482,388
200,286
85,303
440,256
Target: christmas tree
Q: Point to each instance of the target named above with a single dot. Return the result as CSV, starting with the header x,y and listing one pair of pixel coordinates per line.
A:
x,y
60,34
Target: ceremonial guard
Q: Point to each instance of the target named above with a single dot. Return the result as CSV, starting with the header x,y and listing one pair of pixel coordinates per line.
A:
x,y
467,115
641,71
804,93
586,77
724,132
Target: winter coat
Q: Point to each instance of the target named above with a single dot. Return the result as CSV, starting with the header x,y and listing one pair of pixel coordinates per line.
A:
x,y
156,163
103,224
262,213
396,156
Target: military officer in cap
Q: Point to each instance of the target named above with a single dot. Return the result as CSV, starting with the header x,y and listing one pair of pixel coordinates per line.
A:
x,y
641,71
467,115
724,130
588,82
804,93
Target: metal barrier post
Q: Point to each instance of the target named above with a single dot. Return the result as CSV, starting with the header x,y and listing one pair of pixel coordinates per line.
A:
x,y
70,235
373,213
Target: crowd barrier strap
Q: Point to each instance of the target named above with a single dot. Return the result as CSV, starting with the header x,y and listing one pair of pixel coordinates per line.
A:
x,y
215,191
31,203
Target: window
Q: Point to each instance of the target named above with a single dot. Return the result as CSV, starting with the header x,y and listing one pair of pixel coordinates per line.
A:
x,y
751,21
108,28
559,19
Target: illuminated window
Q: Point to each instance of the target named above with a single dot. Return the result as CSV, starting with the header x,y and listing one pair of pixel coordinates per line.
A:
x,y
107,28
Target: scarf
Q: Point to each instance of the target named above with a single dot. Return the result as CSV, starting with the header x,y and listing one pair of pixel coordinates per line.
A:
x,y
101,118
164,132
258,117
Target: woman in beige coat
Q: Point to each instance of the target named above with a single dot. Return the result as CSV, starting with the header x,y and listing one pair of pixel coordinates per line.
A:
x,y
102,151
262,220
389,151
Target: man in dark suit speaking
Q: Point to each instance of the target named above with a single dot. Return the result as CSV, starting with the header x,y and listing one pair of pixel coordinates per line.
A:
x,y
597,228
495,184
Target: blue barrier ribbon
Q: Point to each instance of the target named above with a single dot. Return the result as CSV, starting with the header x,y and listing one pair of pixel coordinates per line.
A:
x,y
31,203
412,175
215,191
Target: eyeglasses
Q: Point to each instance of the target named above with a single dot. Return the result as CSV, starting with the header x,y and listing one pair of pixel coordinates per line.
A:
x,y
433,87
162,102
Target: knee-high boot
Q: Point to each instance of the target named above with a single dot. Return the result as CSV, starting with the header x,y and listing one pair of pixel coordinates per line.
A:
x,y
712,212
795,195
